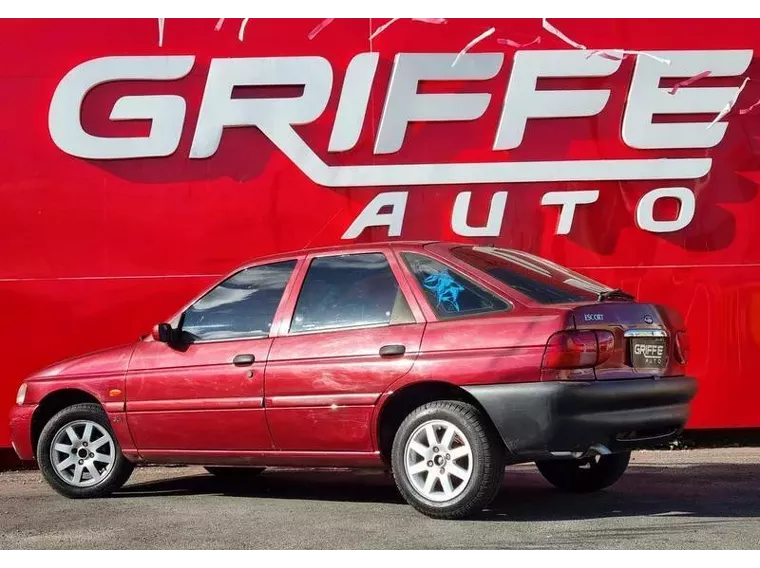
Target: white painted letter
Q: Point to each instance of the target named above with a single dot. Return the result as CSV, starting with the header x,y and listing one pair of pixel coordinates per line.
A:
x,y
371,216
646,98
273,116
167,112
645,207
523,101
404,105
568,200
495,216
352,107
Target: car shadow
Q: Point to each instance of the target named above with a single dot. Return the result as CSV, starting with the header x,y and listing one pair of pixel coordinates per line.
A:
x,y
369,486
685,490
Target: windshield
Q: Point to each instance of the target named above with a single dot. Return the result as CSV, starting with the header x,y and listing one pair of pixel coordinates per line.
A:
x,y
535,277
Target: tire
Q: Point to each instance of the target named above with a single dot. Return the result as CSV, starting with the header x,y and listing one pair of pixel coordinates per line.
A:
x,y
479,463
584,475
235,474
91,427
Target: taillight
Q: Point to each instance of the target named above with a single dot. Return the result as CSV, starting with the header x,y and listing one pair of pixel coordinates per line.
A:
x,y
606,343
682,347
578,349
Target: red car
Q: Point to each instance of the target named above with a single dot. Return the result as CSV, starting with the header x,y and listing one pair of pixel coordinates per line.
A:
x,y
444,362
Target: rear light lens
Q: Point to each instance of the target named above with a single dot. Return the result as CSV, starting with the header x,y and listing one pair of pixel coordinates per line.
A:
x,y
606,343
578,349
682,347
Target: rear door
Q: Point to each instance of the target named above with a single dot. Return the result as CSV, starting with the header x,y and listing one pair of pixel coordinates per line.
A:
x,y
353,329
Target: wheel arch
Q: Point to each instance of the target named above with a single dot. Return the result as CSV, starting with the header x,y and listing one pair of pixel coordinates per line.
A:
x,y
54,402
401,402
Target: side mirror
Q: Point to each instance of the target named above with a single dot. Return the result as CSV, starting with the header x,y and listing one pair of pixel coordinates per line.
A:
x,y
162,332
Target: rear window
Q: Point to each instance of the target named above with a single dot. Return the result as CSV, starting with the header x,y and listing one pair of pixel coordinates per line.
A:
x,y
539,279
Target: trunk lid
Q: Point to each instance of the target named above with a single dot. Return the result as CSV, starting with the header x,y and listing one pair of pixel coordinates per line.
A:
x,y
644,338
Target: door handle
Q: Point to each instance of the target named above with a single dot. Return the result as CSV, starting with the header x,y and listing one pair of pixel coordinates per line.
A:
x,y
391,350
243,360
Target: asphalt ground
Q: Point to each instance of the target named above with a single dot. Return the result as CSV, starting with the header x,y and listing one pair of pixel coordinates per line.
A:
x,y
704,499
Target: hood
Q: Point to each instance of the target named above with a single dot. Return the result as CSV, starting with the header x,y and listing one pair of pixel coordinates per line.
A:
x,y
113,360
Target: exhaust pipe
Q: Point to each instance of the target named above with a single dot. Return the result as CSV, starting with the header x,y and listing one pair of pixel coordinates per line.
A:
x,y
595,450
576,455
599,449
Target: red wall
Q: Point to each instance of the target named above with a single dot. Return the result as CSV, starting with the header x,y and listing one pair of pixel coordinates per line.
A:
x,y
93,252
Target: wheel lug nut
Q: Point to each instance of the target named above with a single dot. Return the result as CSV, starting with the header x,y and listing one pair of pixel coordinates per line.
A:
x,y
443,470
435,449
430,463
92,455
85,444
448,456
81,462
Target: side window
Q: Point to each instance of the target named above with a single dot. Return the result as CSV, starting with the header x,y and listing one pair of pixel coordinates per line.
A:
x,y
243,306
449,293
350,290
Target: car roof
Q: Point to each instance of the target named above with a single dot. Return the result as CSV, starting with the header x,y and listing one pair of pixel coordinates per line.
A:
x,y
347,248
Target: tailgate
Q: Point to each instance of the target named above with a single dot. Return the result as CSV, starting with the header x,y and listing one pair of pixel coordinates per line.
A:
x,y
644,338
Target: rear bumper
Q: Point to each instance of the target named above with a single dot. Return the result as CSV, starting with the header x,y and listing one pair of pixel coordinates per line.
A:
x,y
21,431
541,417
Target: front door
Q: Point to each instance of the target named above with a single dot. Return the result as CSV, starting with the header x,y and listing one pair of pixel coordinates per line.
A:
x,y
352,333
204,393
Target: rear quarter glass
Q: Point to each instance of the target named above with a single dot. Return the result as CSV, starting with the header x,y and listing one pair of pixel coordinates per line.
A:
x,y
449,293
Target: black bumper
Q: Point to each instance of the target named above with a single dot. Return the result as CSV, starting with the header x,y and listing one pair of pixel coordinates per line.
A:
x,y
535,418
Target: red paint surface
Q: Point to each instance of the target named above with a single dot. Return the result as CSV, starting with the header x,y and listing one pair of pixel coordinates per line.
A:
x,y
94,253
195,399
323,391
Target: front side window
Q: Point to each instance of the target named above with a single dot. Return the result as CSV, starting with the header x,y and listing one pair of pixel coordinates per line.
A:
x,y
539,279
243,306
449,293
351,290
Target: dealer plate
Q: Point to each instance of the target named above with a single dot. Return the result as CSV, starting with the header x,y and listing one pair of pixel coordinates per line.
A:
x,y
648,352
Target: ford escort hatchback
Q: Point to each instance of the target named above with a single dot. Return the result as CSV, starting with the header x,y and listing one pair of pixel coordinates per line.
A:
x,y
443,362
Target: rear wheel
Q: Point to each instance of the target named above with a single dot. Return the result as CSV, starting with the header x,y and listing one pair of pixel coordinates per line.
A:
x,y
584,475
79,455
447,461
234,473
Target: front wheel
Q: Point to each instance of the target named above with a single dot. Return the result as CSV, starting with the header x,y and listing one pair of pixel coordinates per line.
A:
x,y
79,455
584,475
447,461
